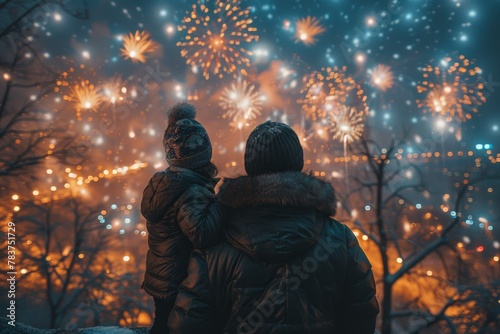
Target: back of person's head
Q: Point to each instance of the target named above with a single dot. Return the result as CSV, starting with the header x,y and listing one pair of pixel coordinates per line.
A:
x,y
273,147
185,140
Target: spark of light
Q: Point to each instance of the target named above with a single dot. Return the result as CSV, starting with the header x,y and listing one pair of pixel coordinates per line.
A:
x,y
455,91
286,24
169,29
138,46
216,35
382,77
241,103
330,89
360,58
307,29
371,21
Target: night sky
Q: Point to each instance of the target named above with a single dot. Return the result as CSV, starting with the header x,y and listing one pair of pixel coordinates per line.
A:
x,y
418,34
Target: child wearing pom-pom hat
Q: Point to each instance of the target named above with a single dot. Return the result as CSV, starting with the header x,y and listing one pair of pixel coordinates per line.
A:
x,y
180,209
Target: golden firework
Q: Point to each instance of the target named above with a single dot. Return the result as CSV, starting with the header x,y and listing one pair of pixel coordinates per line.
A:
x,y
330,89
85,96
382,77
454,90
216,33
241,103
347,124
138,46
307,29
114,90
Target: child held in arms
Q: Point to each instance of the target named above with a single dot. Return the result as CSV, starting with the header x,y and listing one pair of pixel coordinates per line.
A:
x,y
180,209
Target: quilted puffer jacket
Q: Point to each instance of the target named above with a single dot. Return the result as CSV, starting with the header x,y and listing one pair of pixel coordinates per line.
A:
x,y
285,266
181,214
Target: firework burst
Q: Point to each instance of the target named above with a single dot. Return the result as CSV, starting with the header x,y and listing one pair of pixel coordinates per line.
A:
x,y
138,46
216,33
454,91
85,96
80,87
381,77
330,89
347,124
114,90
307,29
241,103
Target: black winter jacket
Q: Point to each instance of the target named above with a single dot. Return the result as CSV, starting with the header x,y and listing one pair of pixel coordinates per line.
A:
x,y
180,212
285,266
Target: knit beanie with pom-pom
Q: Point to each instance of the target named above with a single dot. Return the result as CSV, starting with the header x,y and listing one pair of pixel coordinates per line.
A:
x,y
185,140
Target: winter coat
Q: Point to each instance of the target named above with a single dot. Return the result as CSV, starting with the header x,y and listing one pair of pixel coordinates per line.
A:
x,y
285,266
179,207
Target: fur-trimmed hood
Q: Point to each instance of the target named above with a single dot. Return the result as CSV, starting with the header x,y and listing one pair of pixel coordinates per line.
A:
x,y
276,217
288,189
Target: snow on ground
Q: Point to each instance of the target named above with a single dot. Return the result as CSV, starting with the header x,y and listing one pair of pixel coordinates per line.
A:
x,y
20,328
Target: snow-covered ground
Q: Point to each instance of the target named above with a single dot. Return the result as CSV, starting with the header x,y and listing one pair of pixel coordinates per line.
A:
x,y
20,328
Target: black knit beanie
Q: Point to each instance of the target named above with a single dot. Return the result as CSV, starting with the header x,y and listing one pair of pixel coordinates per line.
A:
x,y
273,147
186,141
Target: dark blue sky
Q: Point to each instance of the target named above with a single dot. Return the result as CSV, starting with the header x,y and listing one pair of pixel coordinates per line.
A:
x,y
408,35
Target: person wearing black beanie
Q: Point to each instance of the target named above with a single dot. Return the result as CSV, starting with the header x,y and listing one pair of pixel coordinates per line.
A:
x,y
179,206
273,147
286,265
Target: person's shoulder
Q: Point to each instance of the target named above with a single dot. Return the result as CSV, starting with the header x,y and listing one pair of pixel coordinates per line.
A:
x,y
159,176
166,183
158,181
171,178
332,228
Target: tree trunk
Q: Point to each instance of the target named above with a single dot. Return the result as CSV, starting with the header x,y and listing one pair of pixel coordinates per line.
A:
x,y
386,309
382,230
53,317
